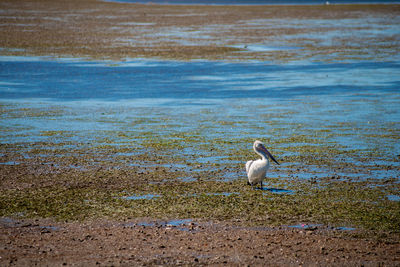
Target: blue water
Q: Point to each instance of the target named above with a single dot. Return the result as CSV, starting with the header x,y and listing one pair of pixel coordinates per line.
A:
x,y
179,224
318,226
31,78
142,197
393,197
350,106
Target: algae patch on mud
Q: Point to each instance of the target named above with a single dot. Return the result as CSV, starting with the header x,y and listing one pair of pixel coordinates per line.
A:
x,y
86,195
336,33
195,167
81,160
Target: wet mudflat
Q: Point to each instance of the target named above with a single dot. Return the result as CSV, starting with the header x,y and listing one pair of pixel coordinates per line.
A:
x,y
191,243
141,161
107,30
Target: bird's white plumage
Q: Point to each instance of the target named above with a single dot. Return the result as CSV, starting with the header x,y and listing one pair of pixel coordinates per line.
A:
x,y
257,169
248,165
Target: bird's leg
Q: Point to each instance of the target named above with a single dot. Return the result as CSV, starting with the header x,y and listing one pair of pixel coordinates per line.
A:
x,y
261,185
252,185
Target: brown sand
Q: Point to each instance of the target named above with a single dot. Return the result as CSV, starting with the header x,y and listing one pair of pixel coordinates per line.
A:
x,y
104,30
148,241
107,243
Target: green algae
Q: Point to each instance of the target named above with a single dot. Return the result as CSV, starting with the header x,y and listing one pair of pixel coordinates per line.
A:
x,y
196,165
338,203
299,26
57,133
91,193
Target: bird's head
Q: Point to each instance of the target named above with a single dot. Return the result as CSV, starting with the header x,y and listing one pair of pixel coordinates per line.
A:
x,y
259,147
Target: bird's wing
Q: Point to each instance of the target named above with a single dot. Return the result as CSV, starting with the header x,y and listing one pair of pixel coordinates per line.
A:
x,y
248,165
257,170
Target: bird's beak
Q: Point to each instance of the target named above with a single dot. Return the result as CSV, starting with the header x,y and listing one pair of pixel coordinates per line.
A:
x,y
269,154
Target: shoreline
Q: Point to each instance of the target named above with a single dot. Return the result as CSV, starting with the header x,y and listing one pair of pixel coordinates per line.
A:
x,y
251,5
108,30
108,243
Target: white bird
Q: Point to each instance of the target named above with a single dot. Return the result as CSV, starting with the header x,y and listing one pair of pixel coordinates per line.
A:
x,y
257,169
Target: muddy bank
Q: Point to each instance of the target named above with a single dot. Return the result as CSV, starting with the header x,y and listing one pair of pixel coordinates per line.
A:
x,y
42,190
105,243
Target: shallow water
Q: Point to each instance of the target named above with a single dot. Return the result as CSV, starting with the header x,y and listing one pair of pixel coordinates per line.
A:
x,y
35,78
313,227
178,224
208,113
276,190
393,197
141,197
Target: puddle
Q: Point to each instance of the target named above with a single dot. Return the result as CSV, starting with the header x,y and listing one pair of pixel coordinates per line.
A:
x,y
306,226
177,224
393,197
345,228
145,224
9,163
264,48
312,227
140,197
48,229
154,196
276,190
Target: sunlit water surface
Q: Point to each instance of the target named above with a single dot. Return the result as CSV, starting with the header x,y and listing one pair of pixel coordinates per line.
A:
x,y
352,107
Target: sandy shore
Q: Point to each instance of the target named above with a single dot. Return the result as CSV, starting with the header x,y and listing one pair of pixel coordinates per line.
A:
x,y
88,224
108,243
105,30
